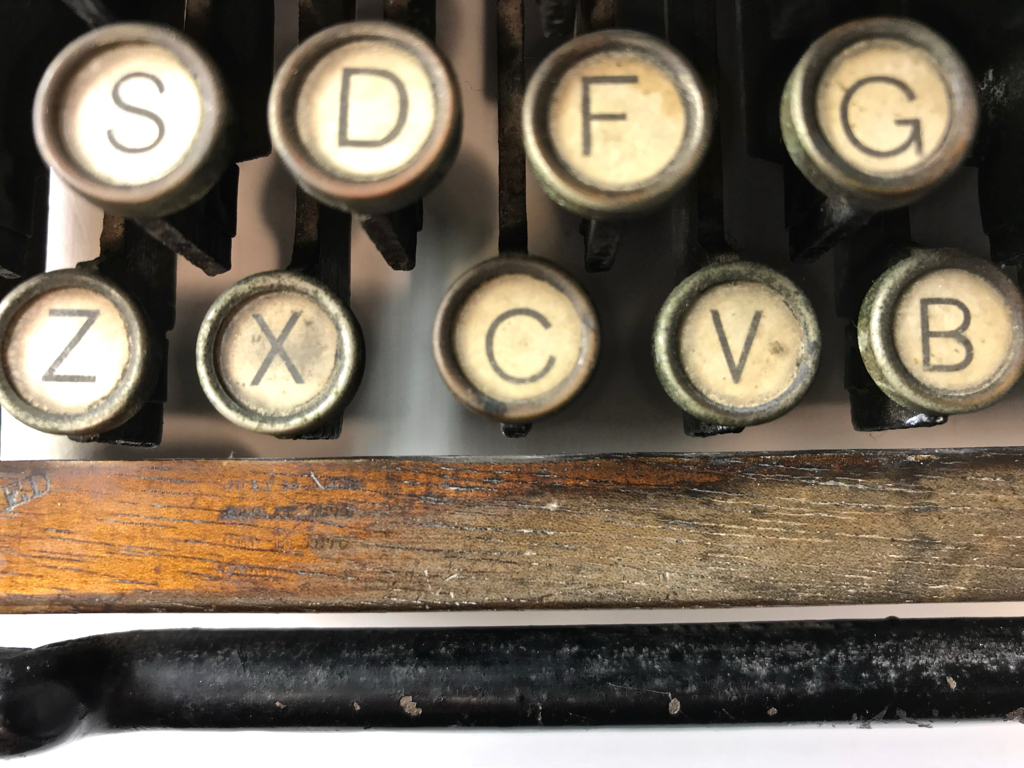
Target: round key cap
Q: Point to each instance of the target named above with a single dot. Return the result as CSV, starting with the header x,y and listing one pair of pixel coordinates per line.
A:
x,y
516,339
615,123
77,356
879,112
943,332
736,344
278,353
366,115
134,118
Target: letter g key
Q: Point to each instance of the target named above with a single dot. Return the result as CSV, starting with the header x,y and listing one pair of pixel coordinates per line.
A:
x,y
878,112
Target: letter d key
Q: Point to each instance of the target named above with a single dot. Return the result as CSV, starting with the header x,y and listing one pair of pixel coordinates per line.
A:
x,y
366,116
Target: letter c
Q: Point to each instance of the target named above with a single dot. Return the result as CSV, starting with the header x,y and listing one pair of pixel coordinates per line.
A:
x,y
544,322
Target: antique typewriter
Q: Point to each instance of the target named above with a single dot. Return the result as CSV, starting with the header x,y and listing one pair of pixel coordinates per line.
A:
x,y
635,304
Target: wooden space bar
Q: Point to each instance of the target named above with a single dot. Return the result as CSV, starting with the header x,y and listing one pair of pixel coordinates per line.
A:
x,y
591,532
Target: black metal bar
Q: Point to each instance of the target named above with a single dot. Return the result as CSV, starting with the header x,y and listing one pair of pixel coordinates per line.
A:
x,y
515,430
421,15
601,239
863,259
95,13
31,34
146,270
394,234
23,254
698,213
512,229
239,37
202,233
824,228
868,671
595,15
314,15
558,18
322,250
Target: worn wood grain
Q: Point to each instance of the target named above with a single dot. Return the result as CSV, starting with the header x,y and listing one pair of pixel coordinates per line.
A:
x,y
615,531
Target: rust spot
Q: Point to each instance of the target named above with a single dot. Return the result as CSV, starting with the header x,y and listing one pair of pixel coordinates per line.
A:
x,y
409,706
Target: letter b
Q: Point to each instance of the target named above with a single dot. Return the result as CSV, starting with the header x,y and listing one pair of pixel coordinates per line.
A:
x,y
346,91
927,334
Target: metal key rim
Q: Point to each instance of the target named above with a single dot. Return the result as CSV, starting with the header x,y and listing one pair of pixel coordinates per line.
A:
x,y
346,375
669,365
878,347
823,166
584,199
183,185
523,411
135,385
398,188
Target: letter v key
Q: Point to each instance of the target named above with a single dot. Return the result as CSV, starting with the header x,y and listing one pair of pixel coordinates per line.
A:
x,y
736,369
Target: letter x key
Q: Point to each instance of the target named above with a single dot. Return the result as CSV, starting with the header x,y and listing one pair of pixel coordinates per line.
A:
x,y
277,349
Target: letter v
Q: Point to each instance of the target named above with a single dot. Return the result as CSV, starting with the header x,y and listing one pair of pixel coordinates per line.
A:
x,y
734,369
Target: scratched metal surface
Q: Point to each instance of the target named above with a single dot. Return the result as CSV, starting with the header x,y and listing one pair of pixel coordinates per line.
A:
x,y
403,408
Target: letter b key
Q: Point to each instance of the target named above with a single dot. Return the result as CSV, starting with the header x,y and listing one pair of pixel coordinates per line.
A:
x,y
941,332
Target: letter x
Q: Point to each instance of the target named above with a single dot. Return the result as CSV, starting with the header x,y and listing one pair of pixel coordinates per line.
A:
x,y
277,348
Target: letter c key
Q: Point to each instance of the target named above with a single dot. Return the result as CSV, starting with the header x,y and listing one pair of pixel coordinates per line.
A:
x,y
516,339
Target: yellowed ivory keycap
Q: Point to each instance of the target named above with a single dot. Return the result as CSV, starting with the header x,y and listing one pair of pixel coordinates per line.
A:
x,y
879,111
943,332
615,123
133,116
366,115
279,354
516,338
76,355
736,344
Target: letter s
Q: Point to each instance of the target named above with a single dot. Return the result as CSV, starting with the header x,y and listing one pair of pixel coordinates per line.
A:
x,y
116,95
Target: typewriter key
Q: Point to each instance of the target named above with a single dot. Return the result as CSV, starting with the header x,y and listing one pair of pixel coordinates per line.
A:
x,y
77,356
366,115
516,339
736,344
941,332
879,112
133,117
615,123
278,353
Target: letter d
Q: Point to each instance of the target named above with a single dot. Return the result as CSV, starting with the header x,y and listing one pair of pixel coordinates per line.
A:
x,y
346,85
